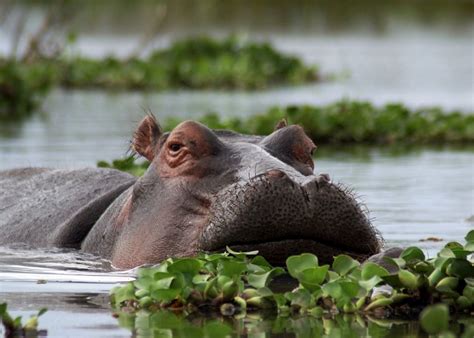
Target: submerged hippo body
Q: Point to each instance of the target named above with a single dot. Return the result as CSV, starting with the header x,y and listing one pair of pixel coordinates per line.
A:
x,y
204,190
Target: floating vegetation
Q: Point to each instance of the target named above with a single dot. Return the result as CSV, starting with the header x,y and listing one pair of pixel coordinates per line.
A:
x,y
357,122
15,328
127,164
354,123
21,89
237,283
196,63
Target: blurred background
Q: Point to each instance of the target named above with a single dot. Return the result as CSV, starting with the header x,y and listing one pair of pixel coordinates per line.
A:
x,y
415,52
418,52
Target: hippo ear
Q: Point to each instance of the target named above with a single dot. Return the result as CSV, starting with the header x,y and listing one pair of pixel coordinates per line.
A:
x,y
281,124
145,138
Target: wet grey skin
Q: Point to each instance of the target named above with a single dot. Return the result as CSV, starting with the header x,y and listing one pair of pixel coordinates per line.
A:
x,y
204,190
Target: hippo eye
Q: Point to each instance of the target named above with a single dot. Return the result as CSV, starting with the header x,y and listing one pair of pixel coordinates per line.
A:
x,y
175,147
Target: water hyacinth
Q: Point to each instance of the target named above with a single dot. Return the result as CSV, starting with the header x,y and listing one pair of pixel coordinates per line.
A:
x,y
14,326
235,283
21,89
195,63
356,122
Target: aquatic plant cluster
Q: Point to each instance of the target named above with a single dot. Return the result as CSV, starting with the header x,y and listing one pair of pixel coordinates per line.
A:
x,y
352,121
235,283
127,164
22,90
14,326
196,63
341,123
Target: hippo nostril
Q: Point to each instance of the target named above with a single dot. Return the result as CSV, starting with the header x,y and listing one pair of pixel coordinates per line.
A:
x,y
324,177
319,181
275,173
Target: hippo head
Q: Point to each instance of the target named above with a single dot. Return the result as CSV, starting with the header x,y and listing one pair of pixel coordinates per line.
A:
x,y
207,189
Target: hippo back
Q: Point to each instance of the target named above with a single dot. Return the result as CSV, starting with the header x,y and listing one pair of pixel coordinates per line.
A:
x,y
44,207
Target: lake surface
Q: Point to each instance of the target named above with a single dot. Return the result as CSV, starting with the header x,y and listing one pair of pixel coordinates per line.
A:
x,y
381,55
411,196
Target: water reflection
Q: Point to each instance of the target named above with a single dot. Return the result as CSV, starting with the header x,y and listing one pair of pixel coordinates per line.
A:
x,y
167,324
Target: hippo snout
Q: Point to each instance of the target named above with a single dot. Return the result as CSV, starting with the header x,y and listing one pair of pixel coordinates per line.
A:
x,y
275,214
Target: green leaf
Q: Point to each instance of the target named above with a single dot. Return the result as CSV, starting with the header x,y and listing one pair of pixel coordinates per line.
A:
x,y
201,279
165,295
210,290
333,289
435,318
343,264
408,279
31,324
446,253
468,292
423,267
443,262
463,302
7,320
470,236
163,280
369,284
454,246
280,299
230,290
370,269
265,292
300,297
146,272
412,253
396,262
260,261
296,264
231,268
379,302
312,278
461,253
186,265
448,282
123,293
435,277
393,281
332,276
350,289
222,280
460,268
259,280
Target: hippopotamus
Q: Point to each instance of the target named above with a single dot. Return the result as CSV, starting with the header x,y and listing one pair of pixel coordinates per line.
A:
x,y
204,190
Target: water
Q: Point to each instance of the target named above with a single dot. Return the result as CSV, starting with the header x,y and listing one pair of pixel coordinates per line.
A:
x,y
419,194
72,285
413,54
